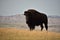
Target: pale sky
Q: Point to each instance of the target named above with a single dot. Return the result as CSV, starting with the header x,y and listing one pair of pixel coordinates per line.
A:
x,y
13,7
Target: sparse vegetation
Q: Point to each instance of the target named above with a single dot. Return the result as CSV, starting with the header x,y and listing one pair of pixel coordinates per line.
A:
x,y
14,28
22,34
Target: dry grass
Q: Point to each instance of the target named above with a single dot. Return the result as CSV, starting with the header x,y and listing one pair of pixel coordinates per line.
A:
x,y
21,34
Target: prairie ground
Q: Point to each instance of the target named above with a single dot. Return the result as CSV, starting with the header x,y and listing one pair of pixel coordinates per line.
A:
x,y
24,34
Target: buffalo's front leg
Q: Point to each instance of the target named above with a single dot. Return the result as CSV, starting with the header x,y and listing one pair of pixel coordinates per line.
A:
x,y
32,27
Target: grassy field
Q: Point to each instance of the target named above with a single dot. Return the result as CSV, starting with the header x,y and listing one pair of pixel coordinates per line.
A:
x,y
22,34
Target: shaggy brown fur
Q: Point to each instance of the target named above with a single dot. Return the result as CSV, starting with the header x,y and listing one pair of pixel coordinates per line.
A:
x,y
35,18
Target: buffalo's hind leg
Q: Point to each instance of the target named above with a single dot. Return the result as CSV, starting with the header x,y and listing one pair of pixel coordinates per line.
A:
x,y
41,27
46,26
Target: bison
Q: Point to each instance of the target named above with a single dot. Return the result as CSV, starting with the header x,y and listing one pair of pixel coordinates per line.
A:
x,y
35,18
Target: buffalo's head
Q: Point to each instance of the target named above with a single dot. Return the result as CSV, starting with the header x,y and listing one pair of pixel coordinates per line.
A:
x,y
30,12
27,13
